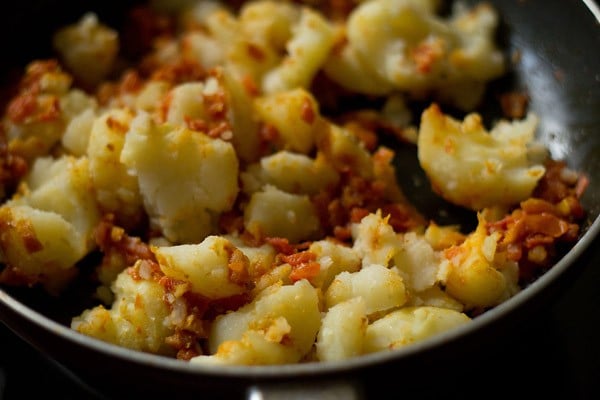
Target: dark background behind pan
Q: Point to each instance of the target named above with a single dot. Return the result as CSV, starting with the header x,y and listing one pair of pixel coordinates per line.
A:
x,y
553,351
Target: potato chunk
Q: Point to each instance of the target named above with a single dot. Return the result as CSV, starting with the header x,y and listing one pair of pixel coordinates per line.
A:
x,y
88,48
136,319
272,212
409,325
116,190
55,202
476,274
186,178
279,326
295,116
291,172
343,330
380,288
204,266
473,168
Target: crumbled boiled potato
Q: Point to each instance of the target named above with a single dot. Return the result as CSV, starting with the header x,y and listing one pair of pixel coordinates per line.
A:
x,y
312,40
343,331
40,214
474,168
278,327
375,240
381,288
205,266
475,274
292,173
409,325
234,191
117,191
183,188
403,44
136,319
273,212
88,48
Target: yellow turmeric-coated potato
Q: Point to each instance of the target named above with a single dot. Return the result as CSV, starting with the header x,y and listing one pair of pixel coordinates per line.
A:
x,y
136,319
474,168
279,326
205,266
409,325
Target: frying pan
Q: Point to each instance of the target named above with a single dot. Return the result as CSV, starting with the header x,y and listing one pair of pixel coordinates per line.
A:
x,y
559,67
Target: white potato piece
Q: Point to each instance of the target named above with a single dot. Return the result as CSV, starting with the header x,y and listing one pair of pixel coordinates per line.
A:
x,y
380,288
275,213
409,325
435,296
77,133
63,186
474,168
205,266
30,251
279,326
343,331
417,262
268,21
88,48
345,67
292,173
34,129
391,45
186,178
54,201
136,319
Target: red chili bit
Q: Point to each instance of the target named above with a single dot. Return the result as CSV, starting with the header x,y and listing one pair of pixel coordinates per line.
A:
x,y
255,52
425,55
357,214
282,245
303,265
196,124
222,130
307,111
131,82
305,271
297,259
21,107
